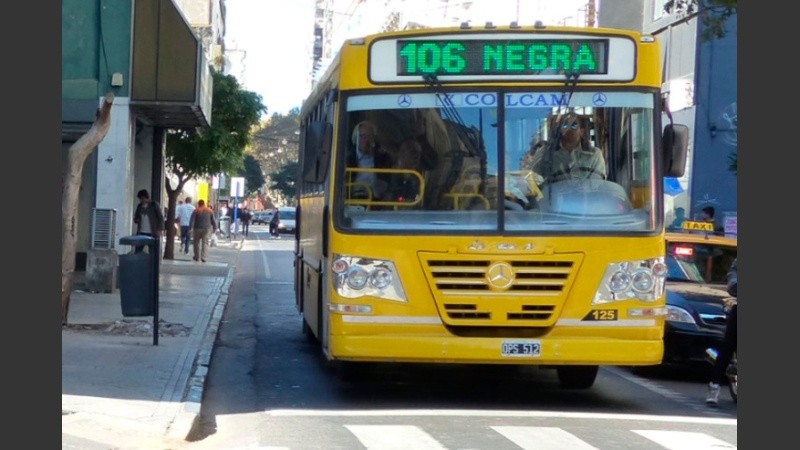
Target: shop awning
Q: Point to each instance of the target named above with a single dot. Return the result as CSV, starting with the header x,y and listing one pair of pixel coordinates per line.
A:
x,y
171,83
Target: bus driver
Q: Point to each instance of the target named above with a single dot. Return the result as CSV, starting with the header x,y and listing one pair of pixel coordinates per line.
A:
x,y
575,157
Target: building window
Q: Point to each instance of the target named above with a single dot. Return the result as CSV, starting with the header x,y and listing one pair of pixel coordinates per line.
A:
x,y
658,9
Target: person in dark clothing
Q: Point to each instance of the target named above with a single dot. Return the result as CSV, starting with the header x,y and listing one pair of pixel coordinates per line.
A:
x,y
245,219
728,346
707,214
273,223
148,217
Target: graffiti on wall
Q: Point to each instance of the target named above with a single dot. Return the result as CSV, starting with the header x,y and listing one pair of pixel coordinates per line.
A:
x,y
729,120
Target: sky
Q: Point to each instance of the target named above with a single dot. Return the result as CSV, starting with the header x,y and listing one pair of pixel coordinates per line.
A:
x,y
269,42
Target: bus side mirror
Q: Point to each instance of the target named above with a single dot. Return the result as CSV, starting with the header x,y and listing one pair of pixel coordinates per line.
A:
x,y
675,142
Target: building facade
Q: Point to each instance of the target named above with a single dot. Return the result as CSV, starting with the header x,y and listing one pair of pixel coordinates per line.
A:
x,y
146,53
701,79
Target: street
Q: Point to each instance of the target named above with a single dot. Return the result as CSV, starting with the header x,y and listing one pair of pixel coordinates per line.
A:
x,y
269,386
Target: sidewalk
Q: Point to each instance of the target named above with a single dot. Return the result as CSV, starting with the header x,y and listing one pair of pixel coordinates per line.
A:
x,y
118,389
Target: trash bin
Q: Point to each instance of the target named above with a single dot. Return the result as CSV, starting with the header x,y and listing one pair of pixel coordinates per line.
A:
x,y
136,276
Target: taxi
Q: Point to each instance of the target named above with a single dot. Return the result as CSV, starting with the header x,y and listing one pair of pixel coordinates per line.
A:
x,y
697,265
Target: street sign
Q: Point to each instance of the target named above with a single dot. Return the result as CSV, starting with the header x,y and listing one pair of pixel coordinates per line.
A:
x,y
237,186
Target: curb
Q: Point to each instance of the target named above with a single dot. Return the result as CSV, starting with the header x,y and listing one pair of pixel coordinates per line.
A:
x,y
188,417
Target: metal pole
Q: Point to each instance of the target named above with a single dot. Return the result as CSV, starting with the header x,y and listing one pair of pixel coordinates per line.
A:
x,y
156,263
235,215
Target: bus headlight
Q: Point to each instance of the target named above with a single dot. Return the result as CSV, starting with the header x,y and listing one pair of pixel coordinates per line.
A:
x,y
637,280
380,278
642,281
619,282
355,277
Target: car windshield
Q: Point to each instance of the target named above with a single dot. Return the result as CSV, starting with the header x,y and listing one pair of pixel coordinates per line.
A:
x,y
456,165
287,215
699,263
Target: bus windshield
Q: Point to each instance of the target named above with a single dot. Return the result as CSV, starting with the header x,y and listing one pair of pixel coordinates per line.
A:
x,y
516,161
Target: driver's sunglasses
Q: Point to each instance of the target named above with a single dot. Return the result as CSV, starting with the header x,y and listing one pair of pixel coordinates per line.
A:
x,y
568,125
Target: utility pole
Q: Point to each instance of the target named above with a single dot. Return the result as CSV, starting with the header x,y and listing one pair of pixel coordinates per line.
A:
x,y
590,13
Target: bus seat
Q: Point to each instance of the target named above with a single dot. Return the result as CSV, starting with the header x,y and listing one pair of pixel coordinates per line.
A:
x,y
466,195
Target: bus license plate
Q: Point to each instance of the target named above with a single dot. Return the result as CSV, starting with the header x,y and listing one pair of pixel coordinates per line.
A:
x,y
521,348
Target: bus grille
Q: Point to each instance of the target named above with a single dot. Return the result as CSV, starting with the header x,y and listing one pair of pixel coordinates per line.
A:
x,y
525,291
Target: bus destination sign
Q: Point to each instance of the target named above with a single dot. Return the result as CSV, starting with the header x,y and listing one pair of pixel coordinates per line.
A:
x,y
502,57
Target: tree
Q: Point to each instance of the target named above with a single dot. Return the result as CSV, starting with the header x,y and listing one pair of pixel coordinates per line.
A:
x,y
275,145
70,186
253,178
215,149
713,14
284,180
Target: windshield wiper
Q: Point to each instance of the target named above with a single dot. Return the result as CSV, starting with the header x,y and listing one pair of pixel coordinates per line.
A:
x,y
451,113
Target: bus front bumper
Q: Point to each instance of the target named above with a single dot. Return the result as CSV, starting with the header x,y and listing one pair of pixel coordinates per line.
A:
x,y
480,350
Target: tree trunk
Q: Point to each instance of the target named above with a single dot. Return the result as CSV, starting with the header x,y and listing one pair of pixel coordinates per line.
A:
x,y
172,200
70,185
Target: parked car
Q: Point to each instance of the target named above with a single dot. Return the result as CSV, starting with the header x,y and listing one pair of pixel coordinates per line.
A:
x,y
697,265
261,217
287,224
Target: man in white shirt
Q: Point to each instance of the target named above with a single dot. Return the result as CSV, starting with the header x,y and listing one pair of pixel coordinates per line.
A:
x,y
183,214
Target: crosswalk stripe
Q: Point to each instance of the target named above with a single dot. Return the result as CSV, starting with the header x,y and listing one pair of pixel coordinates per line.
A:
x,y
394,437
496,413
543,438
684,440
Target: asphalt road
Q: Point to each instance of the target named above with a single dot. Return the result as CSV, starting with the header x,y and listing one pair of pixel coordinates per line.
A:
x,y
270,387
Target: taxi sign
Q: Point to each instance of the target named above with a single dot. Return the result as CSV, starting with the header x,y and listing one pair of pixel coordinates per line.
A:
x,y
698,226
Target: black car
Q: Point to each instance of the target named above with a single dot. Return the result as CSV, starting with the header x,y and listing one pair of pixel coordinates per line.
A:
x,y
697,265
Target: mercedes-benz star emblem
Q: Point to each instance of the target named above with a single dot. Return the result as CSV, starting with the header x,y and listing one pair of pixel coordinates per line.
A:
x,y
404,100
500,275
599,99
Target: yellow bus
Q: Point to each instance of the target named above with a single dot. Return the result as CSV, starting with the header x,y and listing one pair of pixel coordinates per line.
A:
x,y
483,231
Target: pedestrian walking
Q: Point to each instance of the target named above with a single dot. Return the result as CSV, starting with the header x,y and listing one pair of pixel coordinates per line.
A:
x,y
245,219
273,223
148,218
728,347
224,220
202,225
183,215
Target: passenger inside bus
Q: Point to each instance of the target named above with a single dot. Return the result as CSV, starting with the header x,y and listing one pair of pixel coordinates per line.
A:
x,y
368,154
572,156
419,140
404,185
411,152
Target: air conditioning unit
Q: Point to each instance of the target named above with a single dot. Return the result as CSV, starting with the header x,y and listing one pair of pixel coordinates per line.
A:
x,y
104,225
216,51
